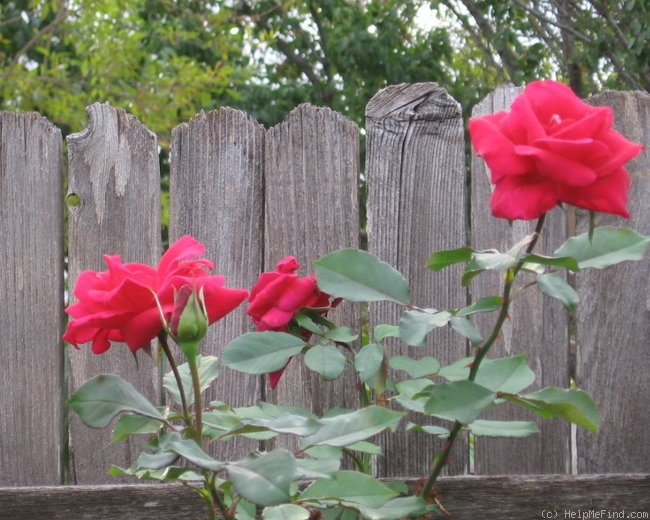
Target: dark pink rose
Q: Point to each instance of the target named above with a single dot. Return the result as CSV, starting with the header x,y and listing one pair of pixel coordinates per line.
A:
x,y
279,295
552,147
119,304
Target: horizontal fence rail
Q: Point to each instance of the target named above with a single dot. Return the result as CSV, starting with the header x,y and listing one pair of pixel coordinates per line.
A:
x,y
254,195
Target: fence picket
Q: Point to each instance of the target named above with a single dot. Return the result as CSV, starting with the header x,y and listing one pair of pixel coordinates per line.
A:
x,y
613,331
416,205
217,196
31,292
311,179
527,330
114,170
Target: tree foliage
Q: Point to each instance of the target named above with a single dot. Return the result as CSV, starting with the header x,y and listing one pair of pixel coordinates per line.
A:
x,y
164,60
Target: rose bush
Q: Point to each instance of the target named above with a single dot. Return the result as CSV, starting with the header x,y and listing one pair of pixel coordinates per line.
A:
x,y
278,296
119,305
552,147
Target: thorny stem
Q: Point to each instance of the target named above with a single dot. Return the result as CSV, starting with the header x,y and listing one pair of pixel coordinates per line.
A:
x,y
162,338
441,458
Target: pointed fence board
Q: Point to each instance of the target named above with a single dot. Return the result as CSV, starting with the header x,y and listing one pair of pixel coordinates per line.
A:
x,y
311,186
537,326
114,172
614,318
217,196
416,205
31,292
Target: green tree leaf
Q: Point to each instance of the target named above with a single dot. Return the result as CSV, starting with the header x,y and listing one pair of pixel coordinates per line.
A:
x,y
395,509
608,246
557,287
359,276
130,423
326,360
347,428
466,327
350,487
461,401
261,352
104,396
486,304
264,478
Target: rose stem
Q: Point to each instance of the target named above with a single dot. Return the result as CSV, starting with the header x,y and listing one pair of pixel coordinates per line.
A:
x,y
162,338
441,459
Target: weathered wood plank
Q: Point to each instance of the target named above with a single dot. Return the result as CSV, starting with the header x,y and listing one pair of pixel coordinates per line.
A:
x,y
217,196
114,170
416,205
311,178
614,319
466,498
31,292
537,326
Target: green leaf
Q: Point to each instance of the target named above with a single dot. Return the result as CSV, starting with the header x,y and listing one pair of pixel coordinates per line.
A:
x,y
493,260
557,287
368,360
461,401
208,367
487,428
395,509
416,324
261,352
316,468
573,405
347,428
287,423
438,431
411,394
442,259
326,360
349,487
191,451
129,423
359,276
486,304
510,374
384,331
553,261
466,327
366,447
415,368
342,334
608,246
264,478
104,396
285,512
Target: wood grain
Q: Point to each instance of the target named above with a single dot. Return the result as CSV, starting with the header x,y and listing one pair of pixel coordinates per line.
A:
x,y
31,292
538,326
614,319
465,498
114,170
217,196
417,205
311,179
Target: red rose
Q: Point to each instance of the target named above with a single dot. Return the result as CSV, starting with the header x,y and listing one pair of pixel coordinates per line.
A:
x,y
119,304
551,148
278,296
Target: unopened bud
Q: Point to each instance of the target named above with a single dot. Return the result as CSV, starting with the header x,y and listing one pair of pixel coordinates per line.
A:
x,y
189,323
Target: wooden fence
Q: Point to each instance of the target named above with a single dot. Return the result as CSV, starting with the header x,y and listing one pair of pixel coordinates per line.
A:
x,y
254,195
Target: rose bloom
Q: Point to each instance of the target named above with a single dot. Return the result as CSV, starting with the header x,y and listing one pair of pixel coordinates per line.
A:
x,y
119,304
278,296
550,148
